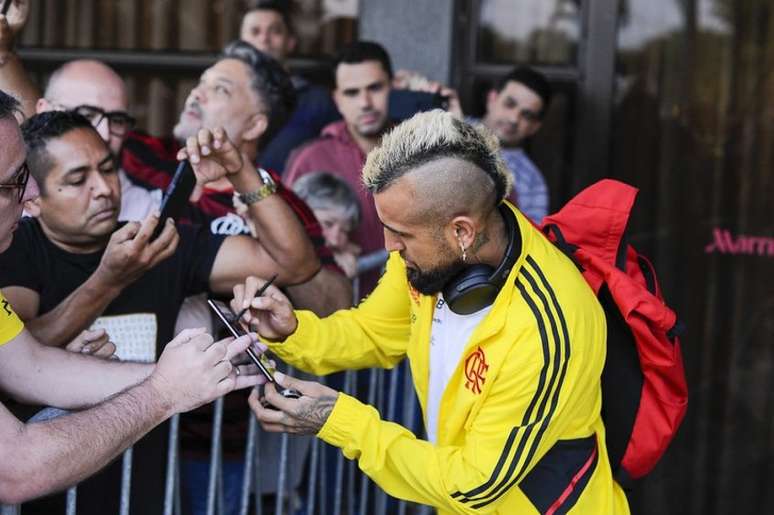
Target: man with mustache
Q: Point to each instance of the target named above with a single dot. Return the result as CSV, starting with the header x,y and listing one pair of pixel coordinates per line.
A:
x,y
363,73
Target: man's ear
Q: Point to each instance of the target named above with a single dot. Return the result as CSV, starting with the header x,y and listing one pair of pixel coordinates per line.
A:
x,y
43,105
256,127
463,231
32,207
491,98
336,96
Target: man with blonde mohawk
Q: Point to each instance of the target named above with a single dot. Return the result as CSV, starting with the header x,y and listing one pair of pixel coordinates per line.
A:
x,y
505,339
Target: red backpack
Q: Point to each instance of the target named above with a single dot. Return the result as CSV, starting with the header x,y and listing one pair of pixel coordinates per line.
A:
x,y
644,393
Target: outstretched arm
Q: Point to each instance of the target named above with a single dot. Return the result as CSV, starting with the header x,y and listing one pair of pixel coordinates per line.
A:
x,y
13,77
280,245
376,332
49,456
44,457
38,374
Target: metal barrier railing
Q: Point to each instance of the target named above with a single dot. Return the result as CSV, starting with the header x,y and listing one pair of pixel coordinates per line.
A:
x,y
391,392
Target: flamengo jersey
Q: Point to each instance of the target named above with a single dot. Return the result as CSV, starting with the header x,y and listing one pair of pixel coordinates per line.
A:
x,y
519,424
10,325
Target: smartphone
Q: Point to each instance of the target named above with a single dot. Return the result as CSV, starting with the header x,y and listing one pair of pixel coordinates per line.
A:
x,y
441,101
236,331
6,6
175,200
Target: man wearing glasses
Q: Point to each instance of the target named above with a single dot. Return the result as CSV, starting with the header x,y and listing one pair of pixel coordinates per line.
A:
x,y
15,189
95,91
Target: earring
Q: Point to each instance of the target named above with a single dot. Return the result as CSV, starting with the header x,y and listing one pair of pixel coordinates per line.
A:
x,y
462,247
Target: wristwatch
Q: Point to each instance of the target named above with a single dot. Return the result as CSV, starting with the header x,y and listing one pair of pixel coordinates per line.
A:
x,y
268,188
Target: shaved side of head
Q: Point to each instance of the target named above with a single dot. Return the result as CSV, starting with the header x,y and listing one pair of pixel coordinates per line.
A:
x,y
448,187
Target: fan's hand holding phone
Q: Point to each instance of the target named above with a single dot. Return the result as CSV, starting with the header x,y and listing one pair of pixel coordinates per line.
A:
x,y
260,361
175,200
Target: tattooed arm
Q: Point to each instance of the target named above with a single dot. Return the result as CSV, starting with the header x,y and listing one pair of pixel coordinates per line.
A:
x,y
304,416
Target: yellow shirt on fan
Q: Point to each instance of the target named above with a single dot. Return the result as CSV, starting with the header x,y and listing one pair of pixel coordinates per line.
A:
x,y
10,325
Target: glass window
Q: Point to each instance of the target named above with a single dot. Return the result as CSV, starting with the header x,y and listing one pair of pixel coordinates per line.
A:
x,y
694,130
527,31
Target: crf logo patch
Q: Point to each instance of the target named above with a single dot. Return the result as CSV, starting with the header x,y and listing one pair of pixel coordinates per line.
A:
x,y
7,308
475,369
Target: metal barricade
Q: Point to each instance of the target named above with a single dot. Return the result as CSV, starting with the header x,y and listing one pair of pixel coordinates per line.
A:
x,y
348,492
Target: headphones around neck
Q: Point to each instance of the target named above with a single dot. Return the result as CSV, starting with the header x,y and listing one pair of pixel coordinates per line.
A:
x,y
477,286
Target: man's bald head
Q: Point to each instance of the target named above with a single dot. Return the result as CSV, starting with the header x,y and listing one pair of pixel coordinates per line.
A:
x,y
85,82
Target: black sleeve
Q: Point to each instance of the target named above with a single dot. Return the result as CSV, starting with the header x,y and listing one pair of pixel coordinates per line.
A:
x,y
19,264
197,251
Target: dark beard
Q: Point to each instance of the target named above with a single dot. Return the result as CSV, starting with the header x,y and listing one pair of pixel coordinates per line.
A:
x,y
433,281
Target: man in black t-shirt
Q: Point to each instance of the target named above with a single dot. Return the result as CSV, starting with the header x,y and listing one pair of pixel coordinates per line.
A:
x,y
74,264
73,267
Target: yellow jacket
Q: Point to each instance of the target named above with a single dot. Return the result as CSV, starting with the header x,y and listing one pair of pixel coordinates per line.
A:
x,y
519,426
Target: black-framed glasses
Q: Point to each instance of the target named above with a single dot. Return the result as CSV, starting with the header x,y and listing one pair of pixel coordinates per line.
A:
x,y
19,181
119,122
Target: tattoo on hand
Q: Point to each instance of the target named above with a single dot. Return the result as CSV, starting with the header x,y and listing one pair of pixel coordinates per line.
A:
x,y
311,416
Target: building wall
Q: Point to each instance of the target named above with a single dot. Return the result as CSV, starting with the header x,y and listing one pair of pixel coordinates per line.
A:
x,y
418,35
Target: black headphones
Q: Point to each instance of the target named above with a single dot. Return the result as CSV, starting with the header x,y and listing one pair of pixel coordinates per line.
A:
x,y
477,286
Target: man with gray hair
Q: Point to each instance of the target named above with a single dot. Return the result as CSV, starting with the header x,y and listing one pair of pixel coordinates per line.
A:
x,y
505,339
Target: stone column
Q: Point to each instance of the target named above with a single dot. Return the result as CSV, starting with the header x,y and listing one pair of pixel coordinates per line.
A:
x,y
417,35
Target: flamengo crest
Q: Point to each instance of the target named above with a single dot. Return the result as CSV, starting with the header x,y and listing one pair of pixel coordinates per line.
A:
x,y
475,368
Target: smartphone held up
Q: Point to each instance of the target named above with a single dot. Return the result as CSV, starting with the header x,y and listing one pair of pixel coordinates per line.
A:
x,y
228,318
175,200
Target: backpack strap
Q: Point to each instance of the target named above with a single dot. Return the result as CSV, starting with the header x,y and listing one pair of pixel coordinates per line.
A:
x,y
554,233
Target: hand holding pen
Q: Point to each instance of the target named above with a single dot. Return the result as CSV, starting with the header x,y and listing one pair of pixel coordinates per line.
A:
x,y
270,314
259,293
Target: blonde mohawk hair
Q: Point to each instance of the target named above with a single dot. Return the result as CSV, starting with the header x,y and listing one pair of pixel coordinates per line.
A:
x,y
433,135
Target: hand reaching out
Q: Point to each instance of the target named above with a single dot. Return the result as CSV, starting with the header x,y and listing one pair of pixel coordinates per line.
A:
x,y
194,370
12,22
212,155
